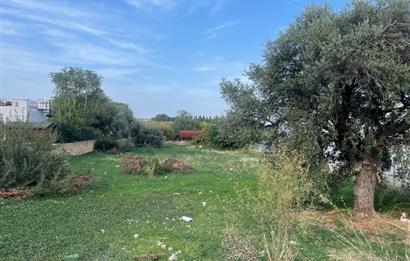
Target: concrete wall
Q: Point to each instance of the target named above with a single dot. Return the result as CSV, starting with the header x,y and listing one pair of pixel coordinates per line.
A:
x,y
76,148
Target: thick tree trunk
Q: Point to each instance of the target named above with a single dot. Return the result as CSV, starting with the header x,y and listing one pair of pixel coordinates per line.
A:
x,y
366,181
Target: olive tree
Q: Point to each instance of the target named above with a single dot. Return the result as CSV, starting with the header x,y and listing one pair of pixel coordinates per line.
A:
x,y
338,83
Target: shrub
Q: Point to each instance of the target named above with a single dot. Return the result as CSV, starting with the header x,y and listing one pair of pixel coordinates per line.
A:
x,y
69,133
167,130
28,159
149,136
151,166
284,188
106,143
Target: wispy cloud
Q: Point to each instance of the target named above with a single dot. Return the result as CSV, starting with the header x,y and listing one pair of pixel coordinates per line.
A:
x,y
217,30
218,5
214,6
152,4
204,68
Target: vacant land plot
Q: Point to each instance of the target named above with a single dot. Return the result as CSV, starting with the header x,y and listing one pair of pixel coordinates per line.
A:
x,y
120,217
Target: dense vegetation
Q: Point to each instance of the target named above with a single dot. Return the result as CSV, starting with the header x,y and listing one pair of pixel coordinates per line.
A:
x,y
336,86
27,158
81,111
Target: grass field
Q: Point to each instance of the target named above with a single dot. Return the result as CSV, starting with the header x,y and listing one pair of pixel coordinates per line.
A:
x,y
120,216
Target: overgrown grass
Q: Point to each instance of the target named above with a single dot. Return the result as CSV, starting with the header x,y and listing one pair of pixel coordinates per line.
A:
x,y
121,216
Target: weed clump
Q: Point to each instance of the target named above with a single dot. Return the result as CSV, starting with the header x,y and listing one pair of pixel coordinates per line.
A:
x,y
151,166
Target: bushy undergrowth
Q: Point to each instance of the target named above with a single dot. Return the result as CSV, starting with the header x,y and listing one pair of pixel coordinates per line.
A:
x,y
151,165
283,190
27,158
149,136
216,136
106,143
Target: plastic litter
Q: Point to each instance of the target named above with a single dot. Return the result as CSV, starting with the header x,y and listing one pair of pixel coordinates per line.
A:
x,y
173,257
71,257
186,219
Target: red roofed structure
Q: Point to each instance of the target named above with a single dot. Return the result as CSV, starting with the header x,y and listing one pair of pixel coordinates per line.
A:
x,y
188,134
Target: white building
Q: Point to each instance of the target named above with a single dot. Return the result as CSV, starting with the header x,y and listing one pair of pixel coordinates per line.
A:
x,y
24,110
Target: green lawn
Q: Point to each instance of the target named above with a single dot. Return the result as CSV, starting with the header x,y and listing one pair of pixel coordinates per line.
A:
x,y
102,222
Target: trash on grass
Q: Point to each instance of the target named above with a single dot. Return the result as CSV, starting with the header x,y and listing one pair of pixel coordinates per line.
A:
x,y
173,257
71,257
186,219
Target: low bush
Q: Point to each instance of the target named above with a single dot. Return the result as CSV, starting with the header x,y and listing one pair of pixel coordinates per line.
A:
x,y
284,188
106,143
149,136
27,158
151,166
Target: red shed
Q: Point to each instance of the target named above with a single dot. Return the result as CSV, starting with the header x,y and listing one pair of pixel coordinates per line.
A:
x,y
188,134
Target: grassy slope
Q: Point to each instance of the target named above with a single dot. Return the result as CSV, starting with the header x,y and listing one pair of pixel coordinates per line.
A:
x,y
51,228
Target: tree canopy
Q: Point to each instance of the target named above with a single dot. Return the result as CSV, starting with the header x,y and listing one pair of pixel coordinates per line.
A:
x,y
339,84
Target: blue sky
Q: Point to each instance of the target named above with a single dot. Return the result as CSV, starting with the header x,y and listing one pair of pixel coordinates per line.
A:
x,y
158,56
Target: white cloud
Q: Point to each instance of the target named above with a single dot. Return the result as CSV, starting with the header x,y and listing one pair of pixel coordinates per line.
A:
x,y
10,28
218,5
216,31
214,6
152,4
204,68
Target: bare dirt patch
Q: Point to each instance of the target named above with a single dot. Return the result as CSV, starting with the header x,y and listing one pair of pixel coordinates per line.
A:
x,y
380,223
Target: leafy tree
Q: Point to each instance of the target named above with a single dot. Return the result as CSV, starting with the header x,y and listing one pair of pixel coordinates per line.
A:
x,y
185,121
78,82
162,117
114,119
338,84
78,99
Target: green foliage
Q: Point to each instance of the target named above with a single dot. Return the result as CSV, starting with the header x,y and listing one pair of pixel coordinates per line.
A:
x,y
78,82
162,117
219,134
336,86
27,158
338,80
165,126
106,143
81,110
284,188
147,136
185,121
